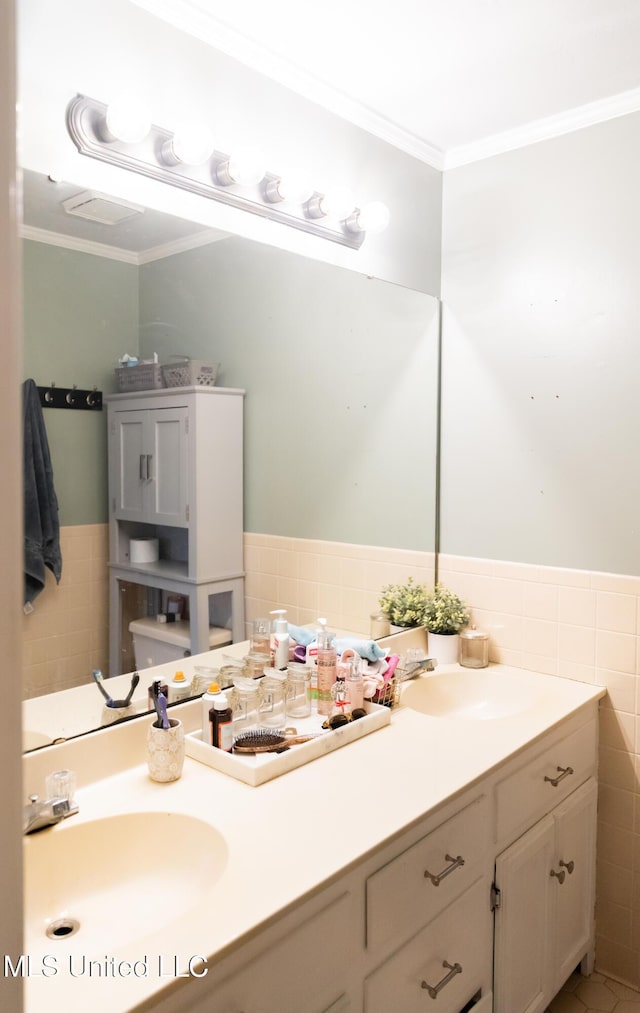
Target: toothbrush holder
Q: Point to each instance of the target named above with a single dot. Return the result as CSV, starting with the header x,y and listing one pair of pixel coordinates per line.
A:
x,y
165,751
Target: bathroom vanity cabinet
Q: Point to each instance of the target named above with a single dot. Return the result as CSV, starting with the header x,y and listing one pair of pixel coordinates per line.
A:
x,y
439,856
176,474
415,920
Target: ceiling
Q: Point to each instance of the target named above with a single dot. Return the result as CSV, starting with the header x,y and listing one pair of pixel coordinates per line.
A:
x,y
147,235
449,81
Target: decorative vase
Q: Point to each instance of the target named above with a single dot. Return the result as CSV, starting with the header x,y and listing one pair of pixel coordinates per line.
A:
x,y
444,647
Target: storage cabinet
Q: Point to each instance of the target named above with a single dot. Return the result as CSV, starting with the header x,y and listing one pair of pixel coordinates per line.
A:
x,y
150,465
545,916
176,474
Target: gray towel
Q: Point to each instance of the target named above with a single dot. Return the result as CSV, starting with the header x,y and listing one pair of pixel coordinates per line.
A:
x,y
41,522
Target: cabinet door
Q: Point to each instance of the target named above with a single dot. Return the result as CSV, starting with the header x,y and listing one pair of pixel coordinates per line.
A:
x,y
522,944
544,923
575,823
127,452
167,467
149,466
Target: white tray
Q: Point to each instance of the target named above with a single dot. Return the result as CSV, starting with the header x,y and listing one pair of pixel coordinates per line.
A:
x,y
261,767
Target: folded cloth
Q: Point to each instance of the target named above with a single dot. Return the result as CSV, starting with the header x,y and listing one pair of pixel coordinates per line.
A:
x,y
300,635
41,521
365,648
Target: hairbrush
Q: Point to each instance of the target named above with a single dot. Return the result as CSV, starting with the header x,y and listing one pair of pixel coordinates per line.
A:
x,y
260,740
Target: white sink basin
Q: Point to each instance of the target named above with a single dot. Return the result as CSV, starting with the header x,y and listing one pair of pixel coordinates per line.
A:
x,y
471,695
112,881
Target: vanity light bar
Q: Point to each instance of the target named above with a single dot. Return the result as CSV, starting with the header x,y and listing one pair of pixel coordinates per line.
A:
x,y
86,123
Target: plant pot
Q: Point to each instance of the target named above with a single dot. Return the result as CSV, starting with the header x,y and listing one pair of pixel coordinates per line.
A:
x,y
444,647
399,629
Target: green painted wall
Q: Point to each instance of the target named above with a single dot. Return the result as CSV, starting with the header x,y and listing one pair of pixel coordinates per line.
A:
x,y
340,373
80,315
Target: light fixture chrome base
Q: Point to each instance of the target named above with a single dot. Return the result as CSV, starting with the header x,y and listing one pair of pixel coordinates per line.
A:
x,y
85,123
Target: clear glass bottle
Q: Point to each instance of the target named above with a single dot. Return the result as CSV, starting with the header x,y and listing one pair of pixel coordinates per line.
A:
x,y
298,700
272,704
246,704
474,648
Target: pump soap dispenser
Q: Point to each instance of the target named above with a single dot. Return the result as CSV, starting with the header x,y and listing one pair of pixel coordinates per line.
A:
x,y
280,639
326,662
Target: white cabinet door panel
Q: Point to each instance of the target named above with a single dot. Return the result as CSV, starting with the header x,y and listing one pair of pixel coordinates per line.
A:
x,y
575,895
522,922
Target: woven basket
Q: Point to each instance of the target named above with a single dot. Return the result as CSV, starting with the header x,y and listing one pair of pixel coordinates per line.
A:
x,y
146,376
190,373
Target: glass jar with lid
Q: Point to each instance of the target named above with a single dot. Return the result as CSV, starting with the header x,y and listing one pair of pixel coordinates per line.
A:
x,y
474,648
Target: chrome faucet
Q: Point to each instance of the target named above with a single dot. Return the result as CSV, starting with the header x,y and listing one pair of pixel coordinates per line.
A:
x,y
417,667
38,815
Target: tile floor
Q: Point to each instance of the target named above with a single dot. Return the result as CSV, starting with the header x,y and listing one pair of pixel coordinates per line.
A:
x,y
595,994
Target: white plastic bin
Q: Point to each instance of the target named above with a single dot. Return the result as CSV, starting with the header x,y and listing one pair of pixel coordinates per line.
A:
x,y
155,643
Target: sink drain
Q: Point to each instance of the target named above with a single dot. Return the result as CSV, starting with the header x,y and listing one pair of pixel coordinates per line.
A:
x,y
62,928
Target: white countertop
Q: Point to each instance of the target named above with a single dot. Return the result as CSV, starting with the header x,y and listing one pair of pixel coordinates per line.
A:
x,y
286,837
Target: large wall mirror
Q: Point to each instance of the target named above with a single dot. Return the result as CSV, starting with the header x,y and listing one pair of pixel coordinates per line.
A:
x,y
340,370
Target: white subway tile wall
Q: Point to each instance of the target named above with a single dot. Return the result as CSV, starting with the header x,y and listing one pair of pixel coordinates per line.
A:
x,y
585,626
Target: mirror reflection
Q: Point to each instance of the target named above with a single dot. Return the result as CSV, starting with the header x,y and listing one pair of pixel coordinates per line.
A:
x,y
340,375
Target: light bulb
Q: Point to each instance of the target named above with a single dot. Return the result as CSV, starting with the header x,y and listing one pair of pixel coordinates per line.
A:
x,y
127,120
294,186
246,166
374,217
192,143
338,202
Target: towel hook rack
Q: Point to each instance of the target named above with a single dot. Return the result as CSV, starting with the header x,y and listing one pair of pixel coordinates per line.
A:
x,y
70,397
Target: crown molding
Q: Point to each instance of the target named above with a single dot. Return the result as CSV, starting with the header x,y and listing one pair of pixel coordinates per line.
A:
x,y
115,252
184,16
545,129
180,246
79,245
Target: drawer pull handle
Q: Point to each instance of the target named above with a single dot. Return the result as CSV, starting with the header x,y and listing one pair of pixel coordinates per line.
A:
x,y
569,866
563,772
456,863
559,875
434,989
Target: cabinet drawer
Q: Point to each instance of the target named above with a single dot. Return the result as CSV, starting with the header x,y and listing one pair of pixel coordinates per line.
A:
x,y
544,781
408,892
305,970
461,936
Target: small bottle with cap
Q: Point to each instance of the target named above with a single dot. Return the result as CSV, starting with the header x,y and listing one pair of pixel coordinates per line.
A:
x,y
474,648
178,688
280,640
220,719
207,700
